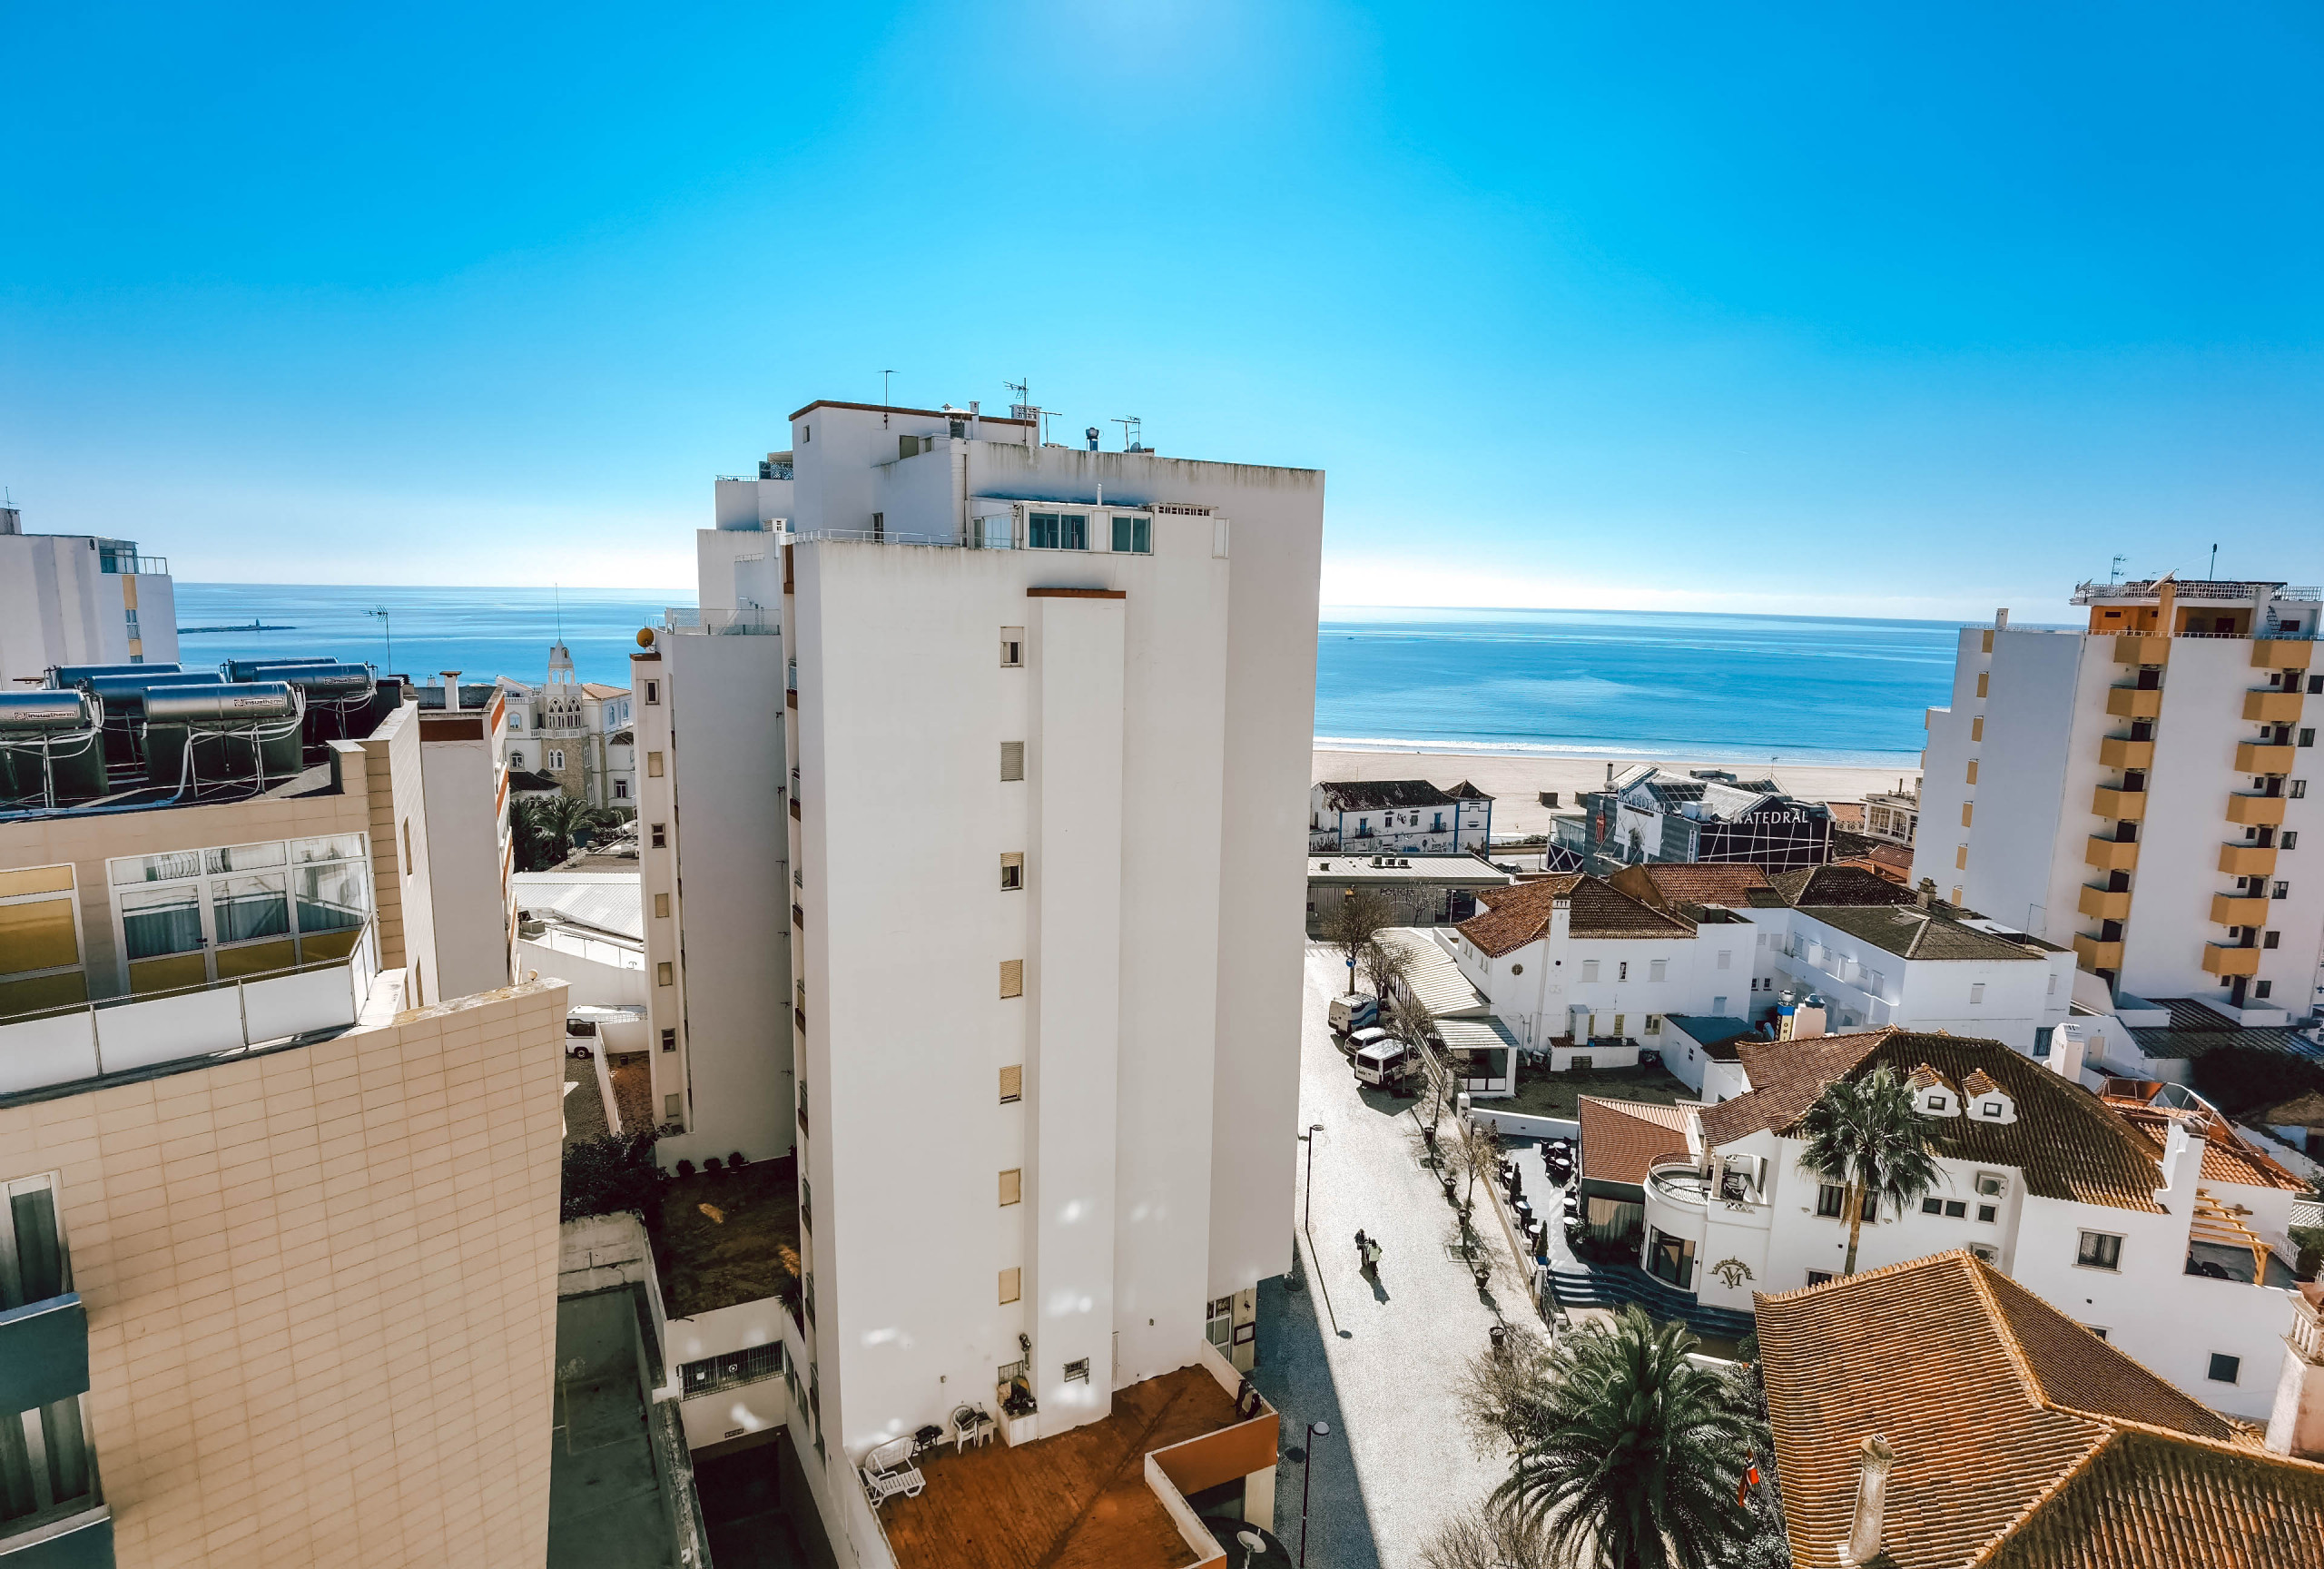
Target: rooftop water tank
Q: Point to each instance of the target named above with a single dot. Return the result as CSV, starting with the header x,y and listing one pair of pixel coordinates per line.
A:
x,y
322,680
24,714
221,703
265,669
75,675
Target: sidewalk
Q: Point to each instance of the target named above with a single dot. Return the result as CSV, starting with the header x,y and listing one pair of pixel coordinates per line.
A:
x,y
1376,1362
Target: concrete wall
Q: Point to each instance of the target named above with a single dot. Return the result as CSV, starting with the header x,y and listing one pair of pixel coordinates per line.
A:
x,y
468,857
321,1286
56,607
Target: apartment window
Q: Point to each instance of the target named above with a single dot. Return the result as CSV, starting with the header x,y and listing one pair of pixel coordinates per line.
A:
x,y
2280,889
1831,1199
1012,977
661,906
669,1040
516,759
1219,1322
1967,811
1134,534
2099,1250
1976,991
1013,1186
1973,770
1621,970
2263,989
621,789
2291,838
1012,760
1078,1371
653,691
1012,1285
1983,678
2269,939
661,973
672,1108
2296,789
2308,735
407,846
1058,530
1726,958
45,1466
1012,871
557,759
1988,1213
1978,728
2224,1370
1012,1084
652,764
1013,647
658,838
1657,969
1718,1009
1620,1020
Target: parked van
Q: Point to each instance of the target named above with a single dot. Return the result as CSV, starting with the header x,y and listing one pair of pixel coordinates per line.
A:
x,y
1354,1010
1357,1040
1384,1063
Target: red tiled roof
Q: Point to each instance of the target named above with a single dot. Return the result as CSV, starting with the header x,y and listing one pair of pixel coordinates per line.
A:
x,y
1619,1139
1520,913
1727,882
2226,1156
2022,1440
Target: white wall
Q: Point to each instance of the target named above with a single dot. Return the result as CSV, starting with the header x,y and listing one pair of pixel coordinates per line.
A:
x,y
56,607
466,864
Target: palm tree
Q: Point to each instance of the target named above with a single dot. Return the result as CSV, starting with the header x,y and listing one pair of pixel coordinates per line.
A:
x,y
552,822
1867,1135
1635,1454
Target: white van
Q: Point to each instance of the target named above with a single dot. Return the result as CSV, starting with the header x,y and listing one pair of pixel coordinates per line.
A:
x,y
1357,1040
1353,1011
1383,1062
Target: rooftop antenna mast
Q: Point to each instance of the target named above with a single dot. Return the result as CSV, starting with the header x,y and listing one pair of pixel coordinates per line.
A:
x,y
556,591
2117,573
387,628
2214,571
1133,432
884,377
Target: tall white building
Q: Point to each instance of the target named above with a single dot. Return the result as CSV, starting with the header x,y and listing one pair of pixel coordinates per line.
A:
x,y
1043,986
2139,790
79,599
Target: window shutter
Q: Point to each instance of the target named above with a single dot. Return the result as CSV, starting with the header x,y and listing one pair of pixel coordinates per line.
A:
x,y
1012,1084
1012,977
1013,1186
1011,1286
1012,760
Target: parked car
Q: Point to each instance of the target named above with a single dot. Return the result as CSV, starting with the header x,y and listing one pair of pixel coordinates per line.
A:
x,y
1354,1010
1357,1040
1384,1063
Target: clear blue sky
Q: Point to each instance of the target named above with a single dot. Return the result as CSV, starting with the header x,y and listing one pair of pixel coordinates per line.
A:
x,y
1849,310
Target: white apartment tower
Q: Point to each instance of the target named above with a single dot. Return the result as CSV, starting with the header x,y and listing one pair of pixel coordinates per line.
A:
x,y
1049,710
2140,790
79,599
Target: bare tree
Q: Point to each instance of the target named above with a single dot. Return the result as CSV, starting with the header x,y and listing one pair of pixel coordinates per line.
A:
x,y
1387,963
1350,927
1484,1536
1500,1395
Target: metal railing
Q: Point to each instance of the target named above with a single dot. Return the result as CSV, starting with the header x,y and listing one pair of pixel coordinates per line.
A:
x,y
2092,590
133,566
879,537
749,620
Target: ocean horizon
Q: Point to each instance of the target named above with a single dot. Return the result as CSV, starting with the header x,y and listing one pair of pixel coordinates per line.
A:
x,y
1747,689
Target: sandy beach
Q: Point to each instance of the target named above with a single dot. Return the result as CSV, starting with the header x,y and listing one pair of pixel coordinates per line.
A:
x,y
1515,781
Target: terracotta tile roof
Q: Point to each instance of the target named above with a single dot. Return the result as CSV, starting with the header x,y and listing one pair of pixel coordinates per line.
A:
x,y
1519,914
1838,885
1847,814
1912,932
2228,1157
1375,794
1669,882
1619,1139
2021,1439
1979,1081
2065,1140
599,689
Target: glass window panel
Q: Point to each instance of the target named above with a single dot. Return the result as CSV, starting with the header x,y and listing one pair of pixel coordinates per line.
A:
x,y
337,847
40,1253
244,857
68,1450
333,895
1121,532
248,908
1073,531
1141,536
165,868
17,1498
35,880
1041,534
37,935
159,920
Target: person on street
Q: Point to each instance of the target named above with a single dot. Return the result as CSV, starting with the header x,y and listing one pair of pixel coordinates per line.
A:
x,y
1363,1251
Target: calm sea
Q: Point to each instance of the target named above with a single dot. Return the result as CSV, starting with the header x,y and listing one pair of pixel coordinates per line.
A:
x,y
1734,688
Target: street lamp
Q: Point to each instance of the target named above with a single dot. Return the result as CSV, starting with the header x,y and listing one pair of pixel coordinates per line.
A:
x,y
1253,1544
1306,1475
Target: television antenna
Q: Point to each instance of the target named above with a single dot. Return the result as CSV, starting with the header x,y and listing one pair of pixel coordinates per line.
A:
x,y
1133,432
885,375
387,628
2117,575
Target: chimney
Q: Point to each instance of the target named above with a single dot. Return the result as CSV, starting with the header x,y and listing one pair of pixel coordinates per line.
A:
x,y
451,691
2068,1051
2001,619
1808,1018
1925,893
1610,774
1871,1464
2182,1164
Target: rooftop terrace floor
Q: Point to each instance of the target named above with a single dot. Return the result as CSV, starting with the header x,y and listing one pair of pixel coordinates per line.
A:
x,y
1076,1501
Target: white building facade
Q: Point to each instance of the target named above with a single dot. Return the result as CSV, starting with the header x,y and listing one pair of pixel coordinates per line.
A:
x,y
2041,1178
1011,663
2140,790
1409,817
80,599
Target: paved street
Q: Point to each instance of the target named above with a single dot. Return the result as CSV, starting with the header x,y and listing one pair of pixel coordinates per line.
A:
x,y
1374,1362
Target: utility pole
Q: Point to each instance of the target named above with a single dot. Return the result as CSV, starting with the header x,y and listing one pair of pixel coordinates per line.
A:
x,y
884,377
1306,1475
387,627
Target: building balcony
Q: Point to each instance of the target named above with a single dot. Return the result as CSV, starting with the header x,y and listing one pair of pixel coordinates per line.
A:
x,y
2226,910
2282,653
748,620
2141,649
2255,810
2266,705
2247,860
2135,702
2121,752
2111,855
2220,959
2259,757
2129,805
2092,954
1679,1182
2104,903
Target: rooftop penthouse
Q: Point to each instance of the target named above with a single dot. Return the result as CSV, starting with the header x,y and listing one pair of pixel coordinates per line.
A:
x,y
2174,608
194,864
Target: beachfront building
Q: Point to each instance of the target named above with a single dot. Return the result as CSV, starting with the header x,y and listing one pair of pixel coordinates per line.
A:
x,y
2159,1228
1937,1414
1422,890
1892,817
1649,814
281,1214
2139,789
79,599
1407,816
1584,975
573,735
1096,670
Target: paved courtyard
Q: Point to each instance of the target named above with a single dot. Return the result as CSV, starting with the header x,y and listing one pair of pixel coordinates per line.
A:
x,y
1375,1361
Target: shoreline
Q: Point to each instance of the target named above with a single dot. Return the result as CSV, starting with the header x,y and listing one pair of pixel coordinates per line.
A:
x,y
1516,779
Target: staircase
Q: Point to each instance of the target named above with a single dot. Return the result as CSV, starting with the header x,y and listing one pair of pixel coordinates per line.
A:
x,y
1616,1286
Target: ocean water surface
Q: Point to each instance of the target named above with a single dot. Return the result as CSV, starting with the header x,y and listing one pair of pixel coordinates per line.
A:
x,y
1733,688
